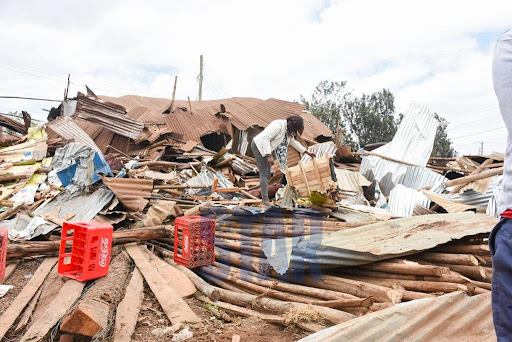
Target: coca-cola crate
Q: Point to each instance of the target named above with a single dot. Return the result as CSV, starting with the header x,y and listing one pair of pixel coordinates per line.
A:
x,y
194,241
4,238
89,255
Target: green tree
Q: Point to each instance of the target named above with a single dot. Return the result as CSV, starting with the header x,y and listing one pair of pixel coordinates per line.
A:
x,y
371,118
443,146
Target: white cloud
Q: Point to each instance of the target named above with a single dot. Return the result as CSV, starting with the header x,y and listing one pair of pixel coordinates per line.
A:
x,y
425,52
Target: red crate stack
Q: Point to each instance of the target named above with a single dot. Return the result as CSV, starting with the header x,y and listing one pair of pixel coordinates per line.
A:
x,y
89,257
194,241
4,238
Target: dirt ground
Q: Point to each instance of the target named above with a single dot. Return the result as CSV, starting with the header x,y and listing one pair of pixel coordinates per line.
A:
x,y
152,317
249,329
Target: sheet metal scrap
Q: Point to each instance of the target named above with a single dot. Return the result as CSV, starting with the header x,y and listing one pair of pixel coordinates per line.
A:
x,y
107,115
378,241
452,317
132,193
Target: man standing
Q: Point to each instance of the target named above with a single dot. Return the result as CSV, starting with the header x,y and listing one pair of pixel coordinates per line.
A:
x,y
500,240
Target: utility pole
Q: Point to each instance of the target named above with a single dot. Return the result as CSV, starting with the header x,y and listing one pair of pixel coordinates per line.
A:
x,y
201,78
481,150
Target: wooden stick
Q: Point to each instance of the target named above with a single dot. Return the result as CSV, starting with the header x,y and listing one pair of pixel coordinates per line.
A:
x,y
9,270
473,272
473,178
482,284
478,170
412,269
415,285
448,258
332,315
464,249
448,278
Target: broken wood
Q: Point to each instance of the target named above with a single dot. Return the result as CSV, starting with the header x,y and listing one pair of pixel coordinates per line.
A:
x,y
27,313
128,309
92,313
67,295
173,305
474,178
13,311
9,270
464,249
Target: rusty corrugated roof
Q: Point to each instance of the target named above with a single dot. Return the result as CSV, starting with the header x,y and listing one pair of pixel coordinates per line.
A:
x,y
110,116
132,193
241,112
452,317
66,128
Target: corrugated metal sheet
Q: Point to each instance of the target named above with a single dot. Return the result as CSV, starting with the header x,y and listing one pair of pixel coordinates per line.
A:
x,y
243,113
414,139
493,207
320,150
452,317
417,177
107,115
378,241
448,204
132,193
477,199
66,128
403,201
412,144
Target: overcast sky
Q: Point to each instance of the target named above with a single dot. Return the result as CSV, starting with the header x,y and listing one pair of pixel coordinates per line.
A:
x,y
436,53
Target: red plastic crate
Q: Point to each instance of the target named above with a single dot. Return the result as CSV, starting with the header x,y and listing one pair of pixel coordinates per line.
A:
x,y
89,257
194,241
4,238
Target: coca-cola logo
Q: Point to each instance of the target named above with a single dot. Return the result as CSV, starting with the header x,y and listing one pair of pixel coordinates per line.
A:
x,y
104,252
185,242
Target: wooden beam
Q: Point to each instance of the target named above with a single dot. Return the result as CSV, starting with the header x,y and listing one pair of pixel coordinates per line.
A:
x,y
67,295
27,314
91,314
13,311
128,309
173,305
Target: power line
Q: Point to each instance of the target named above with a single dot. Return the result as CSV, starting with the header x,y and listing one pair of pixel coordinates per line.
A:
x,y
28,98
472,134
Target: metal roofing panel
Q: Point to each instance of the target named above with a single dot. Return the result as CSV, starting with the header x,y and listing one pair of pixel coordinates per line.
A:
x,y
107,115
414,138
403,200
66,128
132,193
447,202
378,241
243,113
452,317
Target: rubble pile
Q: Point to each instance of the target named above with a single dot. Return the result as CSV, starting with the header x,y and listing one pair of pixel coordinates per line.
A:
x,y
349,234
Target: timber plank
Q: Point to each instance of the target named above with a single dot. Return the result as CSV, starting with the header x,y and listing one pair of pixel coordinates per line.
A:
x,y
174,277
13,311
173,305
67,295
128,309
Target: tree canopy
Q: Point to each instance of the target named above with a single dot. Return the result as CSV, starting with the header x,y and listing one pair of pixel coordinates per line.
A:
x,y
367,118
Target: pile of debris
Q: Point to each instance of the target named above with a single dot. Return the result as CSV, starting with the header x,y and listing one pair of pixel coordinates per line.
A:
x,y
351,234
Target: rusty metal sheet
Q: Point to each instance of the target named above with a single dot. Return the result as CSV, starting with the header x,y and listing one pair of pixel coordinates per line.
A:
x,y
66,128
373,242
452,317
132,193
107,115
243,113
